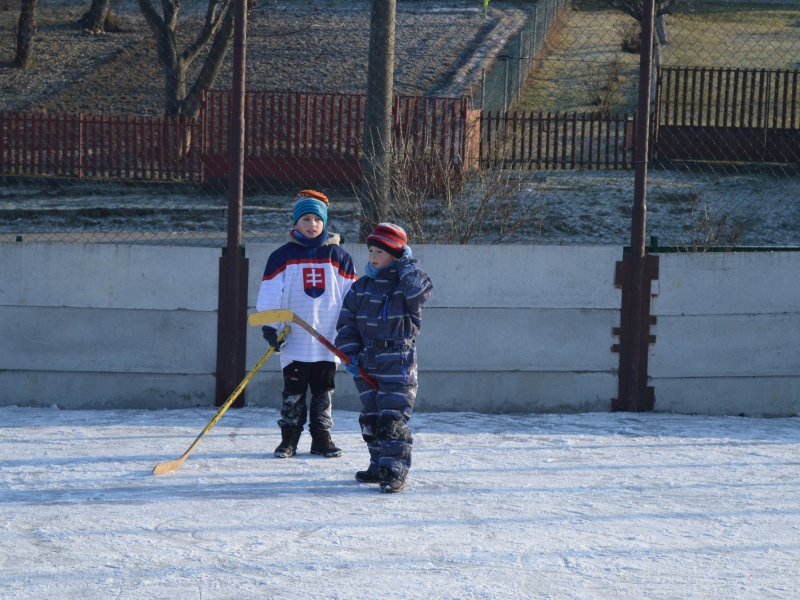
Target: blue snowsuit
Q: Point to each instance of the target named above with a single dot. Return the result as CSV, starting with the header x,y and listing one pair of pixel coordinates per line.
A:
x,y
379,321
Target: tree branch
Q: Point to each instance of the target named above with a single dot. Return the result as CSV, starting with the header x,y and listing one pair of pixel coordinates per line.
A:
x,y
634,7
171,9
213,62
154,20
214,18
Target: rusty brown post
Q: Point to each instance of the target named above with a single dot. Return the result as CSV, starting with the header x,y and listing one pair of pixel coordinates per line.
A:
x,y
232,317
639,218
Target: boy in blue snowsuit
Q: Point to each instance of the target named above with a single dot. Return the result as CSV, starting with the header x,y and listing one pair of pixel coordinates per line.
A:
x,y
380,319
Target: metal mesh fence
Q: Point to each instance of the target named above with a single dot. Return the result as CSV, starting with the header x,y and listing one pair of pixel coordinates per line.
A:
x,y
531,29
726,139
511,122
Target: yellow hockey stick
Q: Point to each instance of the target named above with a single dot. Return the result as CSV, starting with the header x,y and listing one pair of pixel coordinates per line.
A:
x,y
172,465
281,315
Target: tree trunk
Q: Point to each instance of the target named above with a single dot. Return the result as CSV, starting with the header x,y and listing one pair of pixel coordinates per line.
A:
x,y
218,30
174,87
376,182
25,32
95,18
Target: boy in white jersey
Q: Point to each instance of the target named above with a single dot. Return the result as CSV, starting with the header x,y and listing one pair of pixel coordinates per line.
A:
x,y
310,275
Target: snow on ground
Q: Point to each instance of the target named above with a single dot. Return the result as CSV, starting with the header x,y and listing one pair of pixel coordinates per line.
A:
x,y
516,506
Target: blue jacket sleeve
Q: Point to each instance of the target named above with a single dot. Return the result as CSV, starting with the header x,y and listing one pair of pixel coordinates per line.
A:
x,y
348,339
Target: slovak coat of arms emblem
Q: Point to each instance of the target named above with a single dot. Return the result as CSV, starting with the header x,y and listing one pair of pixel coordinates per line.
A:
x,y
314,281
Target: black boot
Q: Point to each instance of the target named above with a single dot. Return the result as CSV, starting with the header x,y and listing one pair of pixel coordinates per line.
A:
x,y
390,481
290,436
322,444
371,475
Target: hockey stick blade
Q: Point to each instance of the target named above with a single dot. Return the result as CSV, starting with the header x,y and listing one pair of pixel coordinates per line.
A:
x,y
167,467
280,315
270,316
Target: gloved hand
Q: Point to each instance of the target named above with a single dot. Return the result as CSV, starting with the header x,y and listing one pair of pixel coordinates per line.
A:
x,y
405,264
353,368
271,335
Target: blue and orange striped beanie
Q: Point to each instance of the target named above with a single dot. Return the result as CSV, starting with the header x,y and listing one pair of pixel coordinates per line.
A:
x,y
309,201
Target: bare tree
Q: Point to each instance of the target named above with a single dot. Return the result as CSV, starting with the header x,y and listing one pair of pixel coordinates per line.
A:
x,y
634,9
439,201
217,29
26,29
99,18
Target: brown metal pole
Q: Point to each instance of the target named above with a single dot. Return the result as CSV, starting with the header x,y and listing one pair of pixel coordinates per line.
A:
x,y
236,305
639,216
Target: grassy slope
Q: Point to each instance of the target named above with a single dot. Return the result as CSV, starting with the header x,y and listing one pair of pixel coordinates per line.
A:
x,y
738,35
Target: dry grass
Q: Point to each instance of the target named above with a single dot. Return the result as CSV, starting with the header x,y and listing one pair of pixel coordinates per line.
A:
x,y
740,35
710,35
588,42
308,45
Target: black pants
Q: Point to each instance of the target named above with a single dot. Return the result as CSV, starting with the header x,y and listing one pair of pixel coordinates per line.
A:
x,y
298,377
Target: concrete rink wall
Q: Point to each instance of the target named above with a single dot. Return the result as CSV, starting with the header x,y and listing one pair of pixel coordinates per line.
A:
x,y
507,329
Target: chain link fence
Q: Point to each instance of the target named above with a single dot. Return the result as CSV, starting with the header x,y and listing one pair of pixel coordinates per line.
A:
x,y
726,129
503,75
511,122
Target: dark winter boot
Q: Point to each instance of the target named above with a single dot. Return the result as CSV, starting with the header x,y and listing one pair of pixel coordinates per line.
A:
x,y
290,436
371,475
390,481
322,444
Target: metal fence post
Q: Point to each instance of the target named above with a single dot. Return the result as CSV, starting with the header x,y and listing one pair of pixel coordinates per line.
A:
x,y
546,24
232,317
505,83
636,392
523,57
483,89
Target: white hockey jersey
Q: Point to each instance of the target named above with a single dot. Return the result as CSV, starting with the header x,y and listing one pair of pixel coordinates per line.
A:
x,y
312,283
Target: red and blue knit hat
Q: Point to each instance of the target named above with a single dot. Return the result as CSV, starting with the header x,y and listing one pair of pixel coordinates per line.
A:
x,y
388,237
309,201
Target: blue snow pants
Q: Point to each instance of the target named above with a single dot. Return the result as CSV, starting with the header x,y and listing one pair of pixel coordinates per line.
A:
x,y
385,412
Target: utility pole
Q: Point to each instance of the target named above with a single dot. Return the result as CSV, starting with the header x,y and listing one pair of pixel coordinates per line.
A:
x,y
377,164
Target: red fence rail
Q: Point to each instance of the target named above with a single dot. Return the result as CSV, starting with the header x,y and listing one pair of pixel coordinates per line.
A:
x,y
556,140
314,138
297,138
291,137
100,146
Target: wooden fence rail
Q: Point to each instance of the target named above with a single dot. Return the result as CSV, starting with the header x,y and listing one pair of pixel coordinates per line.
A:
x,y
556,140
314,138
727,115
100,146
298,138
726,97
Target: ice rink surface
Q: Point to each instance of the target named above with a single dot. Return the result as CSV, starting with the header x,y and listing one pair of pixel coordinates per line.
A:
x,y
600,505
